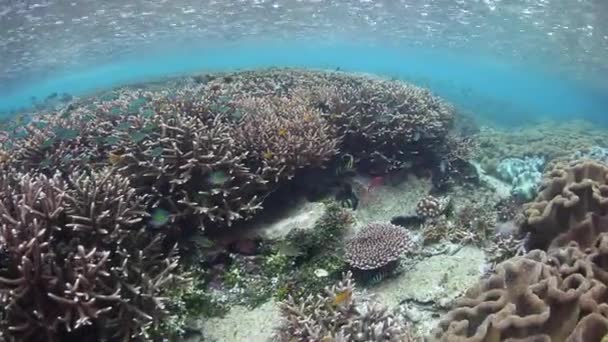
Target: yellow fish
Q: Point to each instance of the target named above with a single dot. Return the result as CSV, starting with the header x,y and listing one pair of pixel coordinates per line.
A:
x,y
115,158
327,339
268,155
343,297
282,132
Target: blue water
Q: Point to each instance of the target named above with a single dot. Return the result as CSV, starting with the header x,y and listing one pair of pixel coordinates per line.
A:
x,y
486,87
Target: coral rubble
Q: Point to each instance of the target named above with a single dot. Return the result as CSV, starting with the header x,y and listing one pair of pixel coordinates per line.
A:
x,y
555,296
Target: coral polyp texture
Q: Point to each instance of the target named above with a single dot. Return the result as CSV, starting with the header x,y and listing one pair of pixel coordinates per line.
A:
x,y
572,205
338,314
76,258
188,163
431,206
377,245
555,296
282,135
384,124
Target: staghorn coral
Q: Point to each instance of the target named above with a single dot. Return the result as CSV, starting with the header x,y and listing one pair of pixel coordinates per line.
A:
x,y
377,245
555,296
338,314
283,135
191,166
385,124
572,205
76,259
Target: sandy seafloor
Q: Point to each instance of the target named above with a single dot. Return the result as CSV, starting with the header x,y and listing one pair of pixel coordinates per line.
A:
x,y
421,292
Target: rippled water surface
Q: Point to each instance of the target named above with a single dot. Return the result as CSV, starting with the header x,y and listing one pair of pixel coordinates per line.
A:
x,y
510,53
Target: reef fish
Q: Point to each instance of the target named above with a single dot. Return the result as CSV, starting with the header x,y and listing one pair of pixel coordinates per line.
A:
x,y
343,297
160,217
218,177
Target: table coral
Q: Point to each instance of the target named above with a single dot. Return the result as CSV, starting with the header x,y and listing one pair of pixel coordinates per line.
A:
x,y
377,245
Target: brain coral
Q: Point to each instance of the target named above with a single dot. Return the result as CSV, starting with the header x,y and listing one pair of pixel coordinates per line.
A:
x,y
557,296
572,204
377,245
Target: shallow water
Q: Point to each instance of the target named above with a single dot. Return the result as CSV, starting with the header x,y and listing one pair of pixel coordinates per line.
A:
x,y
508,61
204,169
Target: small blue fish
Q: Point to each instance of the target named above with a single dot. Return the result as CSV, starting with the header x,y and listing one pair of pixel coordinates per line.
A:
x,y
218,177
160,217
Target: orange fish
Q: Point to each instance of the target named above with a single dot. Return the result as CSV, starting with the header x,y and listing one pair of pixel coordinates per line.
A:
x,y
115,158
343,297
268,155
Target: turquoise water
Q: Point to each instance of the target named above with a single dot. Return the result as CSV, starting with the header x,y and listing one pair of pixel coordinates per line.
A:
x,y
489,88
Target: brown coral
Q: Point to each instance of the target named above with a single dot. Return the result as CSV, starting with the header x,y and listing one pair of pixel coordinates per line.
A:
x,y
329,317
572,205
377,245
555,296
431,206
282,135
189,163
75,257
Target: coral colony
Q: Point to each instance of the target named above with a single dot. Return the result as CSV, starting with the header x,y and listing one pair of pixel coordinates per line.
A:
x,y
131,215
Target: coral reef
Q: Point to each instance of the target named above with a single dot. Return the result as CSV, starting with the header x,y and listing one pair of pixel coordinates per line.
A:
x,y
383,124
524,175
377,245
282,135
596,153
555,296
572,205
550,140
431,206
76,258
338,314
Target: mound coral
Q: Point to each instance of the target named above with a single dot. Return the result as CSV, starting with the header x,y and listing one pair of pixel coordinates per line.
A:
x,y
76,258
523,174
572,205
377,245
282,135
338,314
431,206
555,296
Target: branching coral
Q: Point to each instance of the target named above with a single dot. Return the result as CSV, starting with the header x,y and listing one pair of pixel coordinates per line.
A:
x,y
377,245
282,135
555,296
572,205
75,257
338,314
189,164
385,125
